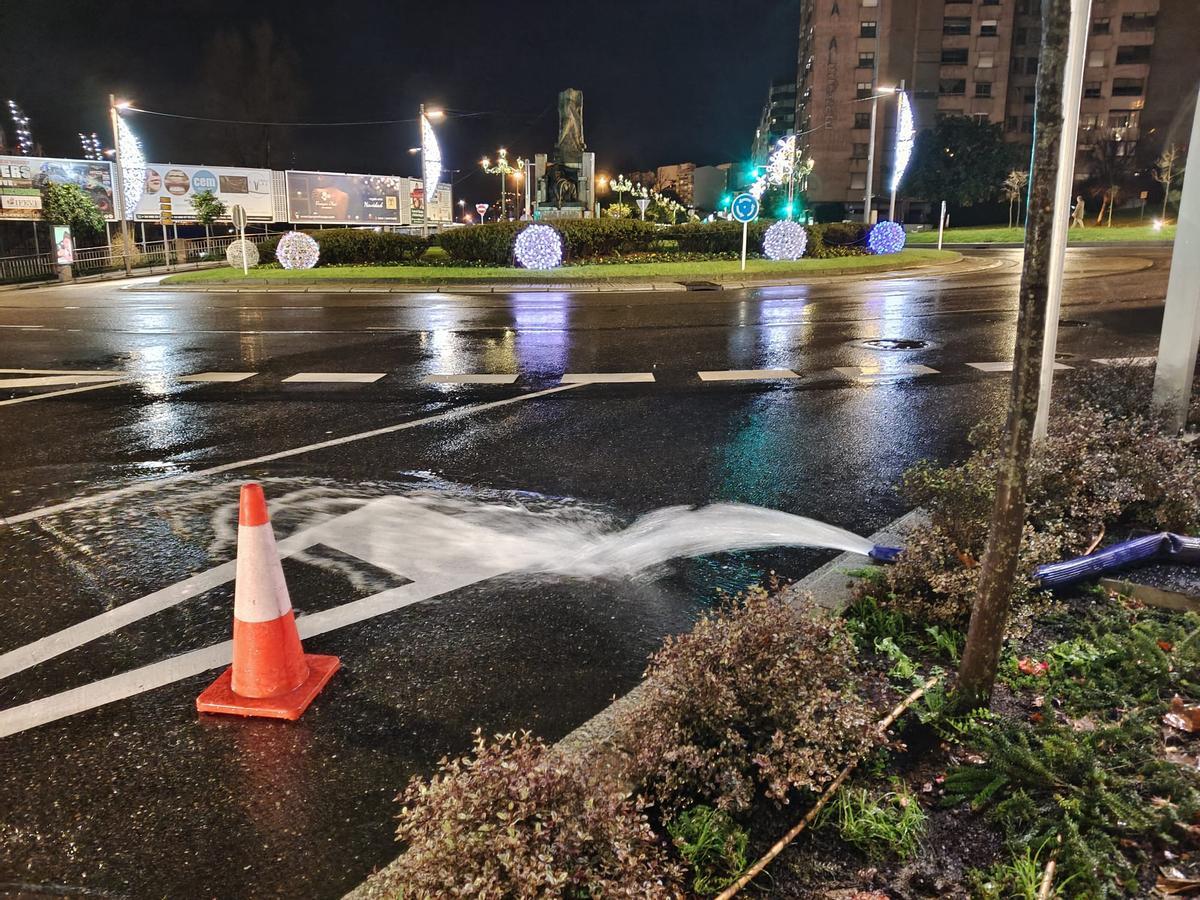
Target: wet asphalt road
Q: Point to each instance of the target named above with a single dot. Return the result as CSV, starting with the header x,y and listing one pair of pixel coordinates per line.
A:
x,y
139,797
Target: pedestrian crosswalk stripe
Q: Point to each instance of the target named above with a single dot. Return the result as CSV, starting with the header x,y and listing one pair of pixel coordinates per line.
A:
x,y
1006,366
874,371
469,379
606,377
219,376
746,374
336,377
53,380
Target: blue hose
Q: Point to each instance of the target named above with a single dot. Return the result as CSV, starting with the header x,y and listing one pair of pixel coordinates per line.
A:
x,y
883,554
1165,547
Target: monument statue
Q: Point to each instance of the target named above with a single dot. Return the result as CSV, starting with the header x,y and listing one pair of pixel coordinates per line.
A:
x,y
570,146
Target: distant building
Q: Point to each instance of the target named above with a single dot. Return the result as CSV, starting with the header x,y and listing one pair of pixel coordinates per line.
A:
x,y
709,183
678,178
979,59
777,120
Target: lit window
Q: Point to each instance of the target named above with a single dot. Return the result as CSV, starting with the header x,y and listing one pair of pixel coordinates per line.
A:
x,y
989,27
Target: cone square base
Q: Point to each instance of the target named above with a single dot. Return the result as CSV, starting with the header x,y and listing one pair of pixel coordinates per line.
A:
x,y
219,697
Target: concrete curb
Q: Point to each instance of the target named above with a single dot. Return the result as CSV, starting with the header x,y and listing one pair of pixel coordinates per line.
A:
x,y
575,287
830,587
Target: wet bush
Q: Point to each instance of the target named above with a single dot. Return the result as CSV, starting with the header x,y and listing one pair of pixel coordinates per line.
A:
x,y
490,242
592,238
514,819
759,699
1104,466
365,246
716,237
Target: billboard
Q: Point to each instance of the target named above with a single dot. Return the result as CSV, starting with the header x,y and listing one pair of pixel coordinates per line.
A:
x,y
22,179
414,206
170,188
335,198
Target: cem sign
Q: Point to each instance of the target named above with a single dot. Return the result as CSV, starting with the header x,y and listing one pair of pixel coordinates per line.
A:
x,y
170,188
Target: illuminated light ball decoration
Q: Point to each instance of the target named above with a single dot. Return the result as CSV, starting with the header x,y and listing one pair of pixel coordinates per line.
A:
x,y
240,249
785,240
296,250
886,237
539,247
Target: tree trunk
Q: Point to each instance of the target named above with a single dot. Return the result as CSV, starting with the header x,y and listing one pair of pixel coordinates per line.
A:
x,y
1010,205
1112,201
989,615
1103,206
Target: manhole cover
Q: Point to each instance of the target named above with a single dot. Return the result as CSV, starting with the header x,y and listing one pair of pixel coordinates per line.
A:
x,y
1072,323
701,285
894,344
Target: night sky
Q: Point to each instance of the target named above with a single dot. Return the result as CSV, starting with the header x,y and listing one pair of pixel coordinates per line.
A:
x,y
664,81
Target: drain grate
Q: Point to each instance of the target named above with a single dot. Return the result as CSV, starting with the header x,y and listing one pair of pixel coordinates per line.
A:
x,y
1072,323
894,344
700,285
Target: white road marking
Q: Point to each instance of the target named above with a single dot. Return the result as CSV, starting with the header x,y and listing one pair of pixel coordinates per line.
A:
x,y
746,374
903,369
1006,366
52,380
219,376
45,396
606,377
469,379
114,374
1128,361
22,326
142,487
335,377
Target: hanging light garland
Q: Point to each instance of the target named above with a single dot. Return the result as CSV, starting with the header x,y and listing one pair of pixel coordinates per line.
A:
x,y
91,146
886,237
297,250
21,126
239,250
431,153
785,240
538,247
133,167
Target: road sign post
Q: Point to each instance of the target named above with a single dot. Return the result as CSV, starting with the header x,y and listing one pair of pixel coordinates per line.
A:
x,y
744,209
238,214
481,209
642,203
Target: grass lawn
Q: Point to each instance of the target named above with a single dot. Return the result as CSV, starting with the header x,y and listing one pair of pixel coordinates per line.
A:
x,y
992,234
722,268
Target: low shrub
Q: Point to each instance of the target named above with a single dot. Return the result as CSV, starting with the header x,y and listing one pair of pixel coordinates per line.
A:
x,y
592,238
717,237
1102,467
515,819
490,242
365,246
760,698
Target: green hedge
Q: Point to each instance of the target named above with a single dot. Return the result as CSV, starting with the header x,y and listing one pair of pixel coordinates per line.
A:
x,y
358,246
490,242
583,239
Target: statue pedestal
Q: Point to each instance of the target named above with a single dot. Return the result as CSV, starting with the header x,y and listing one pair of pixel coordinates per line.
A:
x,y
564,190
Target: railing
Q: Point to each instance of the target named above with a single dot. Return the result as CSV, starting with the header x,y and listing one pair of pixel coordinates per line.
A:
x,y
147,258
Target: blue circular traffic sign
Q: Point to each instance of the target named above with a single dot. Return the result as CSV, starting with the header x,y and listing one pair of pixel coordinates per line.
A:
x,y
744,208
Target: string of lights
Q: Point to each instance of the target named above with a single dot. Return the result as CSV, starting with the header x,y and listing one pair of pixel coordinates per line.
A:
x,y
91,146
21,126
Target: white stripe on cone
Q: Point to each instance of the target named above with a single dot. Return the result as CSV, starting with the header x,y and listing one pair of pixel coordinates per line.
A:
x,y
260,594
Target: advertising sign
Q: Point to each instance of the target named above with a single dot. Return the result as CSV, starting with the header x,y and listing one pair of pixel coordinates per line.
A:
x,y
415,207
22,179
64,246
335,198
170,188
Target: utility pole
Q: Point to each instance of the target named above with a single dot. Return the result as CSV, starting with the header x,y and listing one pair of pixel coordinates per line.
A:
x,y
424,183
1181,319
1064,189
895,181
119,183
871,153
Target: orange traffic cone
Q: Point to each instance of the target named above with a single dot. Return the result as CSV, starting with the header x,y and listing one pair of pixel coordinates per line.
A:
x,y
271,675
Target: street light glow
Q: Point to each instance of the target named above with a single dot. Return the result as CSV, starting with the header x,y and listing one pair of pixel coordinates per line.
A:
x,y
123,104
435,114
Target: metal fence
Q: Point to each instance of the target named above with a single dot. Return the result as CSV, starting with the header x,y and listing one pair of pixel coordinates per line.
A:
x,y
146,258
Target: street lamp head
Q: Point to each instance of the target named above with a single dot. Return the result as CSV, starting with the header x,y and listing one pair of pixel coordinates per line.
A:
x,y
414,150
434,114
485,162
123,104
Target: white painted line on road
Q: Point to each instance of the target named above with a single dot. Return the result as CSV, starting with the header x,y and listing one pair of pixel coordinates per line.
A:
x,y
334,377
606,377
52,380
904,369
219,376
22,326
46,396
469,379
142,487
114,374
1128,361
746,374
128,684
1006,366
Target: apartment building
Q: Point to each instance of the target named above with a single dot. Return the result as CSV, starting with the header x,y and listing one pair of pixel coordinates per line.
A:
x,y
979,58
677,178
777,120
